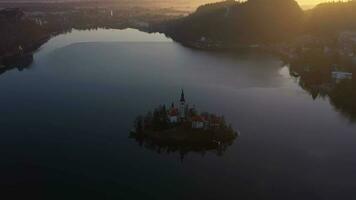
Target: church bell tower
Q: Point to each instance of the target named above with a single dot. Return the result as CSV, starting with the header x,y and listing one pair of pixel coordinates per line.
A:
x,y
182,106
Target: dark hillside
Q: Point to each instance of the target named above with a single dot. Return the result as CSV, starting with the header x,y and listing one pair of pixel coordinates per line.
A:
x,y
331,18
251,22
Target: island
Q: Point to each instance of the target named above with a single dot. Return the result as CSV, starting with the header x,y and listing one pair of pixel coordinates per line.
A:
x,y
182,128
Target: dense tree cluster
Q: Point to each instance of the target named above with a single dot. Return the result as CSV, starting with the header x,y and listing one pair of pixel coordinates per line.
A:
x,y
155,131
253,21
261,22
19,35
22,33
330,18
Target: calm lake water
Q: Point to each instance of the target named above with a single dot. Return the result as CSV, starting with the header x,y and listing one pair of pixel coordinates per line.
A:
x,y
65,123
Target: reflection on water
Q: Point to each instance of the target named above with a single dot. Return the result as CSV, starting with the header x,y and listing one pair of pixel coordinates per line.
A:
x,y
183,148
65,122
19,62
182,128
332,76
22,61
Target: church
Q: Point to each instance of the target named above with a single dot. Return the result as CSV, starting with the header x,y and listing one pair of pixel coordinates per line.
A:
x,y
178,114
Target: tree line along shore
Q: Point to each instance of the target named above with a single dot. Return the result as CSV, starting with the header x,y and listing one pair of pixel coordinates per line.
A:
x,y
23,30
275,25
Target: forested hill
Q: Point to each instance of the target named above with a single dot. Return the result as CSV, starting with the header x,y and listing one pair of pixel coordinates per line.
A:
x,y
331,18
254,21
260,21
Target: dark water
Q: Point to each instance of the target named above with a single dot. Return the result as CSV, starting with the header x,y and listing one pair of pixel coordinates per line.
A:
x,y
65,123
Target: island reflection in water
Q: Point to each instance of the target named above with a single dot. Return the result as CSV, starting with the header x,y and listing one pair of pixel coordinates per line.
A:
x,y
183,129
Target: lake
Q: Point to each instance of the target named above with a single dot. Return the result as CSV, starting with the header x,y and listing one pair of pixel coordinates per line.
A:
x,y
65,123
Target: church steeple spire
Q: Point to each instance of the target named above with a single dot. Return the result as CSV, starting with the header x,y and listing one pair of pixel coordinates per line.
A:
x,y
182,106
182,99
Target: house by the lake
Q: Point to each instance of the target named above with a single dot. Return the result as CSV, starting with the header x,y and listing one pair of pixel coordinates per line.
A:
x,y
341,75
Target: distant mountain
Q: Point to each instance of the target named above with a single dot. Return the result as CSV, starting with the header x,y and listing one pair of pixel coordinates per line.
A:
x,y
260,22
331,18
250,22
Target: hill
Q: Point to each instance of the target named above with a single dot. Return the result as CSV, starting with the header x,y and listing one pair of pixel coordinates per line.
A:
x,y
331,18
232,23
251,22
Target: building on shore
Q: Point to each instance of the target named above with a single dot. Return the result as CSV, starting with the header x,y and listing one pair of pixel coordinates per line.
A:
x,y
340,75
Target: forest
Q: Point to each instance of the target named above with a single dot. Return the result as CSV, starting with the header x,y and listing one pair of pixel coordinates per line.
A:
x,y
260,22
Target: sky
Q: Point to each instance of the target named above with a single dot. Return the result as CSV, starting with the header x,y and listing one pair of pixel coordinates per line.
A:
x,y
309,3
194,3
303,3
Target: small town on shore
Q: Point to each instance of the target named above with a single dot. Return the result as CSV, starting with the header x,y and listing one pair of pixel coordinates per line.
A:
x,y
323,59
26,27
335,56
34,25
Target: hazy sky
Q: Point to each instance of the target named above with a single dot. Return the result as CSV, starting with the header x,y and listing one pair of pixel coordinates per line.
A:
x,y
303,3
192,3
308,2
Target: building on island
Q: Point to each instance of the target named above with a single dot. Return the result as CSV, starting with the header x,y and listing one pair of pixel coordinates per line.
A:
x,y
188,115
182,107
178,114
215,122
198,122
173,114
